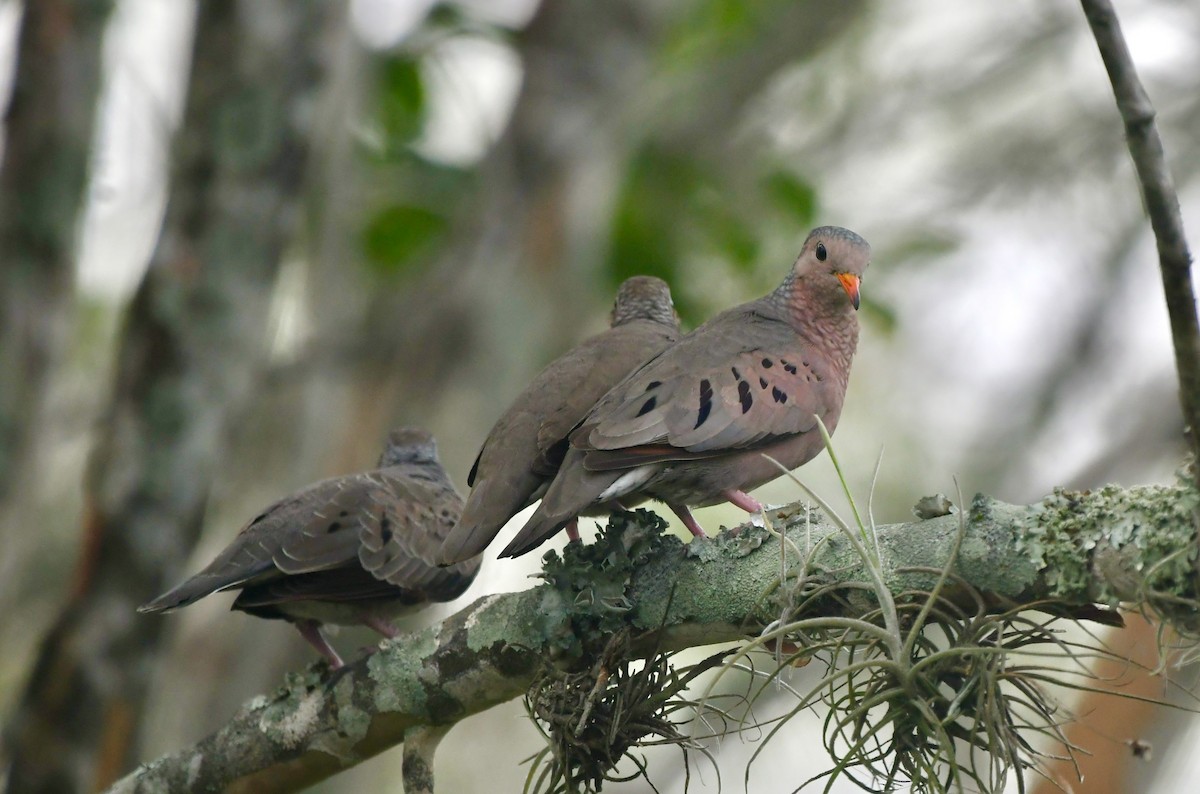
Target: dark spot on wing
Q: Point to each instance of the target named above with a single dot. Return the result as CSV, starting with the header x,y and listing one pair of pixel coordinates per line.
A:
x,y
648,406
736,375
780,397
343,514
789,367
762,382
768,363
744,396
706,394
654,384
334,527
385,529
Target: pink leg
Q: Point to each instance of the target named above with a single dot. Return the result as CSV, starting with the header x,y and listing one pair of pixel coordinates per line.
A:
x,y
311,631
382,626
688,520
573,530
743,500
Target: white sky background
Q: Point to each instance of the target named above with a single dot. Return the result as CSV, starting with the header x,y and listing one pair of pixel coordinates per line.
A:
x,y
1013,267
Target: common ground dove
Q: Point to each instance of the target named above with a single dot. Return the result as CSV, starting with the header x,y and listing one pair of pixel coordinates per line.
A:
x,y
356,549
693,426
525,447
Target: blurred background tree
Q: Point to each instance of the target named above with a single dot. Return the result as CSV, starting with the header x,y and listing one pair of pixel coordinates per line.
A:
x,y
438,198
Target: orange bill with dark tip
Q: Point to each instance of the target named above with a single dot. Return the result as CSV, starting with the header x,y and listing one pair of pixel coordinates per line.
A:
x,y
850,284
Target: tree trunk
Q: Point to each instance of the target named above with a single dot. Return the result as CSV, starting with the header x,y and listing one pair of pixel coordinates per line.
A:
x,y
47,140
191,349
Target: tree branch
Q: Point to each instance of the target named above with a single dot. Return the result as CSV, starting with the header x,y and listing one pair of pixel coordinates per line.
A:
x,y
1162,205
1114,545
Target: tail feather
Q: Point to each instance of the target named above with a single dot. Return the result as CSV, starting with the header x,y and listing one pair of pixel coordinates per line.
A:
x,y
488,508
192,590
573,492
189,592
537,530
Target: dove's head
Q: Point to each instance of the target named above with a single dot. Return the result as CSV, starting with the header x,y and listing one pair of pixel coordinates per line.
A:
x,y
644,298
831,265
409,445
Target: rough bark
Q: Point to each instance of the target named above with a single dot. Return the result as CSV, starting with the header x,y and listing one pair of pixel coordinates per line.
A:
x,y
47,140
193,342
1136,546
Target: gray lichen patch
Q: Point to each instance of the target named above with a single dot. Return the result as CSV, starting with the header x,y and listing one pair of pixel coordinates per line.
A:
x,y
290,723
515,619
397,674
353,721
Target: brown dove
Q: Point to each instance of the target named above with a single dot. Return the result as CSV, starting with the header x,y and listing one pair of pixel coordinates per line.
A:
x,y
525,447
693,426
356,549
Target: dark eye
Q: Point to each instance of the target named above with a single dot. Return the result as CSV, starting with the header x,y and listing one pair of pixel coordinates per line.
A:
x,y
822,254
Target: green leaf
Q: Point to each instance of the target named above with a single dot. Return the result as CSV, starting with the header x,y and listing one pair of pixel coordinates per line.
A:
x,y
644,237
735,240
712,28
793,196
396,235
401,99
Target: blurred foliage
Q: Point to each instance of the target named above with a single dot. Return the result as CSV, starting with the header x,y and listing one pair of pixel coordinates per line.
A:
x,y
398,234
645,237
401,100
672,208
712,28
794,197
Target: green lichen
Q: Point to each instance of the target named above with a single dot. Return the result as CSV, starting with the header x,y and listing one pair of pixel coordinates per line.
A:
x,y
1151,529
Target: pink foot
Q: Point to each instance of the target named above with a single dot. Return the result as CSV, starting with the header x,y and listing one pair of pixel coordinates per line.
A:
x,y
573,530
688,520
382,626
310,630
743,500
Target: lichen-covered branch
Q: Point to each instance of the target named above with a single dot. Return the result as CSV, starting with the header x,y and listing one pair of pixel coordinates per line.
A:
x,y
1162,204
1136,546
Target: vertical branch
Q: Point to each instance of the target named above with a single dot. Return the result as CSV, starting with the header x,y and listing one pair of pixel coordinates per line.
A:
x,y
1162,205
420,743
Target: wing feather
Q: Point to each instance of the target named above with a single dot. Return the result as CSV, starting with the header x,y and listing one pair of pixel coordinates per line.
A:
x,y
768,384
